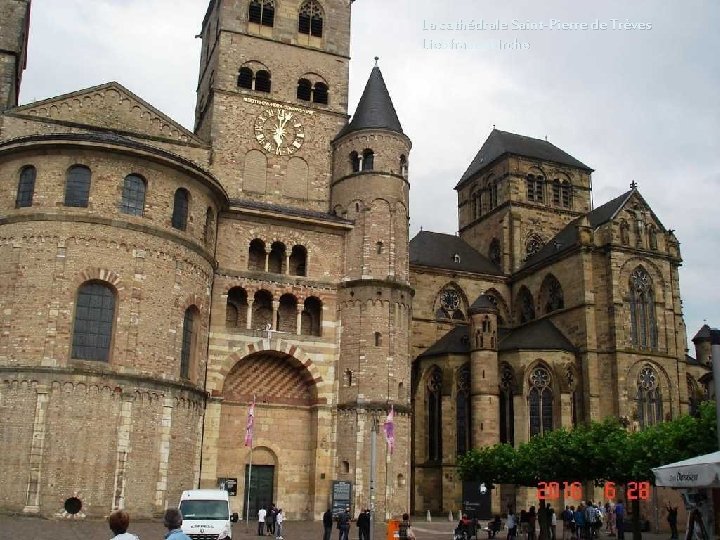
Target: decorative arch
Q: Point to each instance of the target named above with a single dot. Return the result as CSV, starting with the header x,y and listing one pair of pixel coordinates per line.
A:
x,y
551,295
643,320
311,18
297,178
94,321
507,408
262,12
26,187
433,402
451,303
255,172
535,186
540,398
649,393
524,306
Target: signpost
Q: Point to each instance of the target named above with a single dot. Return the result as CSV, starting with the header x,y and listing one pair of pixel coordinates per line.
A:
x,y
341,496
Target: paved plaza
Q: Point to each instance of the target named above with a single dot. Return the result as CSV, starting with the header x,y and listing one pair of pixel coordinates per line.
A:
x,y
21,528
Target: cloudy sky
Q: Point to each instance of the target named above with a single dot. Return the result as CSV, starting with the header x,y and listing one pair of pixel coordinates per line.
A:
x,y
638,100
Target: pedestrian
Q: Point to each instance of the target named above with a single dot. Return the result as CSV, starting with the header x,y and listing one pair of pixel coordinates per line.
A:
x,y
511,523
261,520
566,519
620,519
343,524
672,519
531,520
523,523
580,521
119,521
363,523
406,531
270,520
173,521
553,523
327,524
279,518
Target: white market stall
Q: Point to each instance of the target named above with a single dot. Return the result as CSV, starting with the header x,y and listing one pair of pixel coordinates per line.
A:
x,y
696,472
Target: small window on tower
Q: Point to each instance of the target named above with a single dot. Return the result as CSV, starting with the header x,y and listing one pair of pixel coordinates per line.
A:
x,y
245,78
379,248
320,93
378,339
262,12
456,258
310,21
262,81
304,90
355,161
368,160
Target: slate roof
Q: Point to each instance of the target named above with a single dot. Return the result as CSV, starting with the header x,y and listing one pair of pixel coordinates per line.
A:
x,y
375,109
703,334
568,236
483,303
438,250
456,341
500,143
536,335
287,210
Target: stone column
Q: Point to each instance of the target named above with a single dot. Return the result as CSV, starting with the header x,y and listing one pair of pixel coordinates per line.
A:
x,y
275,307
37,447
287,264
123,450
299,319
248,321
267,261
164,457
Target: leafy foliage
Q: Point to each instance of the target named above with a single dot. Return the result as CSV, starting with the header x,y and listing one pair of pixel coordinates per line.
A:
x,y
599,452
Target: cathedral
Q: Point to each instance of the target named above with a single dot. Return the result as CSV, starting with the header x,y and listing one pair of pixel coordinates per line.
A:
x,y
156,281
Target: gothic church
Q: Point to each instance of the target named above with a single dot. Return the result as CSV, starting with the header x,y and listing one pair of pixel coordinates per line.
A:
x,y
155,280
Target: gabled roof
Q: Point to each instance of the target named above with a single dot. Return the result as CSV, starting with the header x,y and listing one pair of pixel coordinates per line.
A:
x,y
482,304
110,107
456,341
568,236
438,250
536,335
500,143
375,109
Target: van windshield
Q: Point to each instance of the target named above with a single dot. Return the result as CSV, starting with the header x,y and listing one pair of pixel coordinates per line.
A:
x,y
195,510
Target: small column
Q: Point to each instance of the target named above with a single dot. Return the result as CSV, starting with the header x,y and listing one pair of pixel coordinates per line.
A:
x,y
299,319
267,261
123,451
161,486
287,264
248,323
276,306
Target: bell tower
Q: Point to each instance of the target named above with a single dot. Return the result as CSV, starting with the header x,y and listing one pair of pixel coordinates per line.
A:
x,y
15,17
272,94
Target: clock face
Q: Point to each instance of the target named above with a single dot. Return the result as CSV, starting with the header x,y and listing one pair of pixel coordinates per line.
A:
x,y
279,132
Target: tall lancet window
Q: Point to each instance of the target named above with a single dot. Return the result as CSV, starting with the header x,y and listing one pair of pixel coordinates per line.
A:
x,y
540,402
463,413
649,397
507,411
434,414
642,310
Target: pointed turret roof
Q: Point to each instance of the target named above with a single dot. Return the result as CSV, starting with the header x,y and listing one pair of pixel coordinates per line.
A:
x,y
375,109
500,143
483,304
703,334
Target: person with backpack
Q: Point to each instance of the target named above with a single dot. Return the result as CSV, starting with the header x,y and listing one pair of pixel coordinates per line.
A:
x,y
405,532
343,525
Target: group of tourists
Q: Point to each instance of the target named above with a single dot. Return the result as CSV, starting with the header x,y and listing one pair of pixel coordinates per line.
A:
x,y
119,521
270,521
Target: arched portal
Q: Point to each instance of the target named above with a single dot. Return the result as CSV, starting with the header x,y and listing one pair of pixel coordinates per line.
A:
x,y
285,433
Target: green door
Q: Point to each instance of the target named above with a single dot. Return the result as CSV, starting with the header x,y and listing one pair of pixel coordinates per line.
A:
x,y
261,488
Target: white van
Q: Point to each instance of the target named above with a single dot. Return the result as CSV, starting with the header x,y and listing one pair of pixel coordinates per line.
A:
x,y
206,514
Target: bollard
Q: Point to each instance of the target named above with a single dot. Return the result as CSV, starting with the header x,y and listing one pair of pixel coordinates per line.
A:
x,y
429,516
450,516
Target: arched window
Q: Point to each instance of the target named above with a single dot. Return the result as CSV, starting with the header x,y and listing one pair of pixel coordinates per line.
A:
x,y
533,245
525,306
474,203
649,397
556,190
180,209
494,253
355,161
551,295
245,78
262,12
236,308
378,339
311,317
368,160
133,195
642,310
348,378
652,237
256,255
624,233
298,261
450,305
567,192
26,187
77,186
287,314
93,325
535,188
262,81
304,90
403,166
507,409
462,411
189,341
493,194
320,93
540,402
209,232
434,414
310,20
262,310
276,260
379,248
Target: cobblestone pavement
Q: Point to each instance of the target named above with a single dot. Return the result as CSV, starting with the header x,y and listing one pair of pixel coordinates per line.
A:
x,y
32,528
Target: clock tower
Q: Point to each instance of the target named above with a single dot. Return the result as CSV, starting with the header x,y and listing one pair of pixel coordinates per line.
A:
x,y
272,94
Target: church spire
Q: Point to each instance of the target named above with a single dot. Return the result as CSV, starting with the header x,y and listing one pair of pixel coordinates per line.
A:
x,y
375,109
